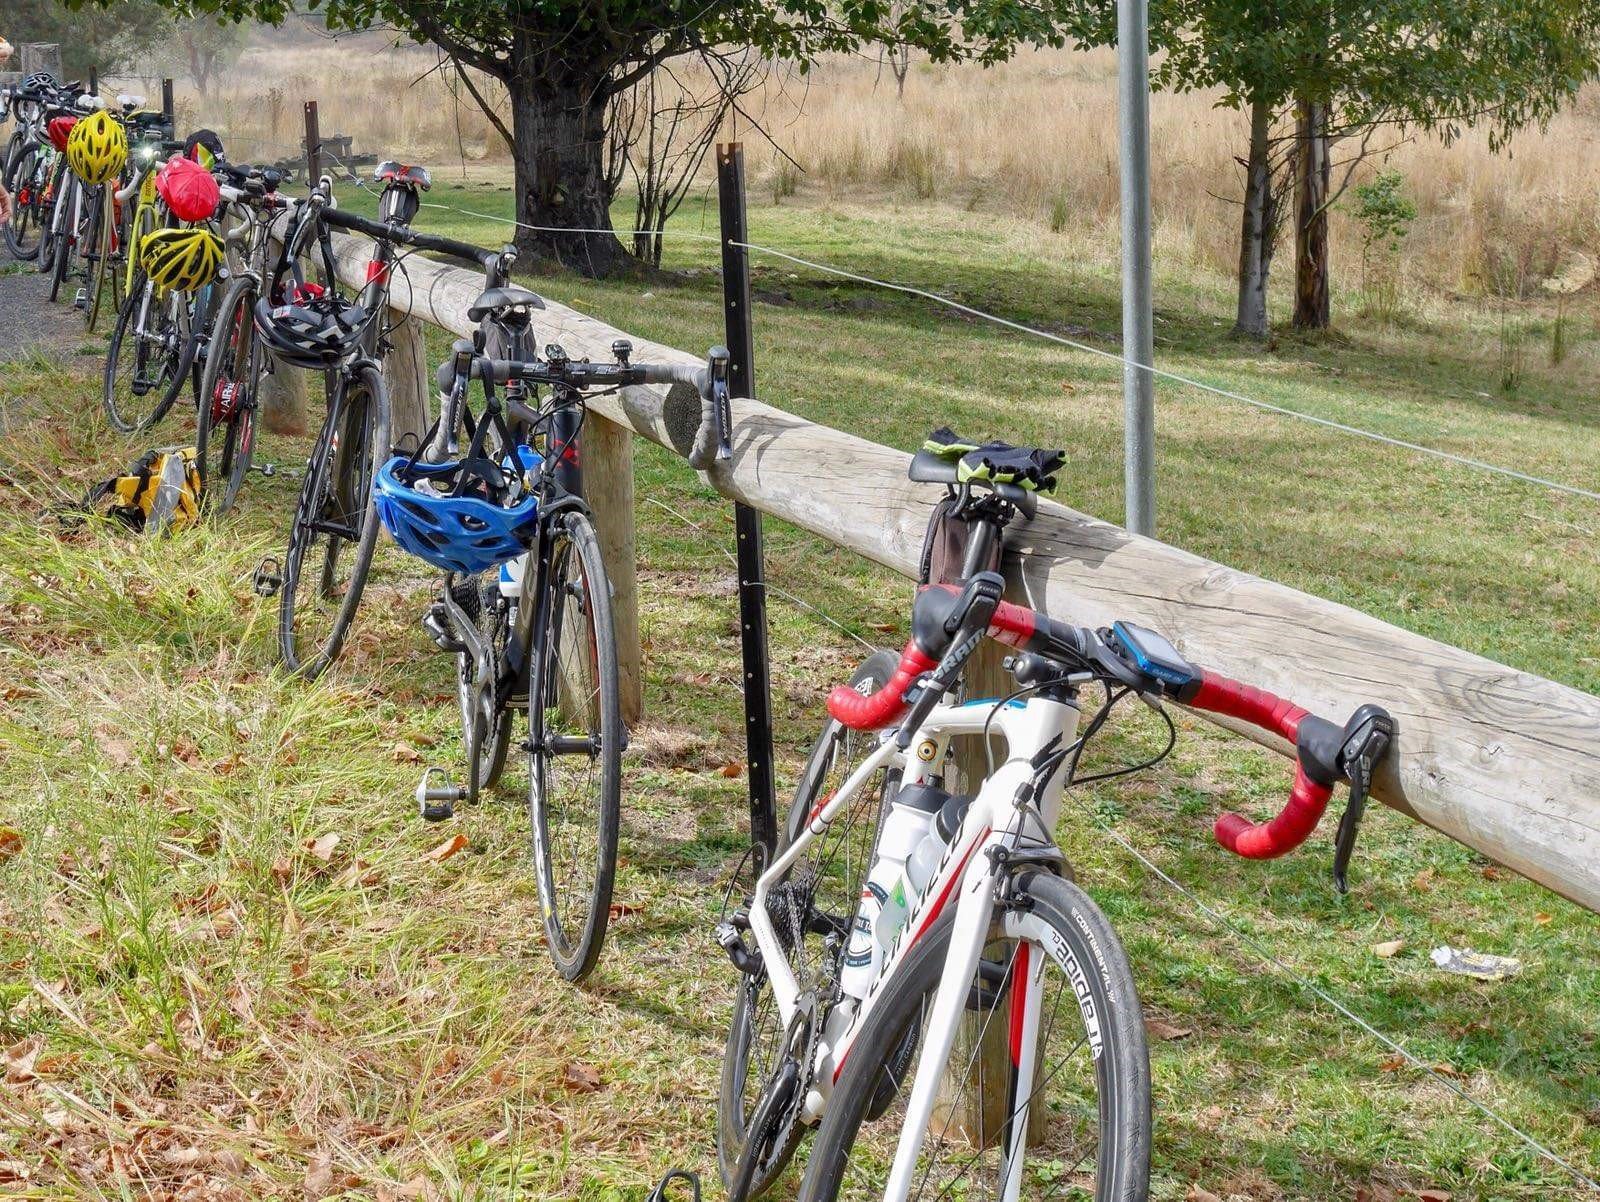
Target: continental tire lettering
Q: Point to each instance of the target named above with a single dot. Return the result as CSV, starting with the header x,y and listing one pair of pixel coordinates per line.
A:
x,y
1082,924
1062,953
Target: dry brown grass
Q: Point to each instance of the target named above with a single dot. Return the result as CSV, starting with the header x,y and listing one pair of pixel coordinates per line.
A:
x,y
1034,139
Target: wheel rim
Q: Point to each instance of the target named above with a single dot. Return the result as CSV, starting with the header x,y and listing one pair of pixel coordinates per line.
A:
x,y
143,359
566,789
978,1104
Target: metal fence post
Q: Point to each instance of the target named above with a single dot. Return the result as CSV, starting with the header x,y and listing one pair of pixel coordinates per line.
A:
x,y
1138,342
168,105
747,521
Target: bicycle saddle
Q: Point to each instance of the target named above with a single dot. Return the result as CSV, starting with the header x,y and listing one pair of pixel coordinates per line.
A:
x,y
928,468
497,300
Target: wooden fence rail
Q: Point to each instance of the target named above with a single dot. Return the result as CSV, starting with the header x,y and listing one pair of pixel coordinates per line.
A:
x,y
1505,762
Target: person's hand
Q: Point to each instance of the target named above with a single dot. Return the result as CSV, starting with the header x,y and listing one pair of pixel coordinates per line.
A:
x,y
5,50
5,205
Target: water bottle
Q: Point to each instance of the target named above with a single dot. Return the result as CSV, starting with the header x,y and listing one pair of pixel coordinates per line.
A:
x,y
925,859
907,823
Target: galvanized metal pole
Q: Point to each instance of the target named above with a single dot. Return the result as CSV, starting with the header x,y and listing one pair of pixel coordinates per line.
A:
x,y
1138,385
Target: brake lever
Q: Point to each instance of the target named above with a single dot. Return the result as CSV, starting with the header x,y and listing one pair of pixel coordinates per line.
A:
x,y
721,403
968,623
1368,735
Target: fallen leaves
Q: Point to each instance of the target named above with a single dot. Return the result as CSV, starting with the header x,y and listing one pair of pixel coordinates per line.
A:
x,y
1389,949
19,1060
11,842
1196,1194
322,846
581,1078
454,845
405,753
1161,1029
731,769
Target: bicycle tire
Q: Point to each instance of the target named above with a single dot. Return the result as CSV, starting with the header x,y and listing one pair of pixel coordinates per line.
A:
x,y
832,756
170,354
62,240
1085,949
487,747
575,940
347,425
24,165
233,338
102,237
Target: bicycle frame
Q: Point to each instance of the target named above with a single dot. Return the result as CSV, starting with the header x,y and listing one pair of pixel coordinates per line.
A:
x,y
967,877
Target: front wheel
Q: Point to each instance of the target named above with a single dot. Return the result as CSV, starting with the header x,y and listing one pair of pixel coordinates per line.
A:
x,y
575,747
335,526
148,359
27,179
1078,1127
229,388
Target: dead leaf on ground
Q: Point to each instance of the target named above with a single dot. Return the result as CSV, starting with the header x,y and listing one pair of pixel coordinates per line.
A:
x,y
1375,1192
406,754
1162,1029
10,843
1388,949
13,1172
1431,1195
322,846
319,1178
621,910
581,1078
1196,1194
731,769
455,843
1392,1064
19,1060
1541,918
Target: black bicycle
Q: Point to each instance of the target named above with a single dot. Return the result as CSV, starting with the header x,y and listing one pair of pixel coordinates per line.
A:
x,y
496,500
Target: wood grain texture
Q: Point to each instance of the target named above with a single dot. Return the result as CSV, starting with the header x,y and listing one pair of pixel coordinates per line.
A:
x,y
1501,760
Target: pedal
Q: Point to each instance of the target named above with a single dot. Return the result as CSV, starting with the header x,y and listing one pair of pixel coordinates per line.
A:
x,y
436,622
80,299
268,470
438,802
268,578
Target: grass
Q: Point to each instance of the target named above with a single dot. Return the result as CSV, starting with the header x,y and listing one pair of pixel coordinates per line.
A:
x,y
198,1002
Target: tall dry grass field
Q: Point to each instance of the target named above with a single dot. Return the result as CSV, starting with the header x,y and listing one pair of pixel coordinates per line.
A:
x,y
1034,139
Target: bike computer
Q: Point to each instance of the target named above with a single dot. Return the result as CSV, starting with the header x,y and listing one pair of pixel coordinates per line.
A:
x,y
1155,657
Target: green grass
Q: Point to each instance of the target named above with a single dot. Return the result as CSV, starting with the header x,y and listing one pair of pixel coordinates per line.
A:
x,y
213,1003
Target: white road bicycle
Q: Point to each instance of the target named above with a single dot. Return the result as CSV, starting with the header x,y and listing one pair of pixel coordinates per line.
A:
x,y
965,1024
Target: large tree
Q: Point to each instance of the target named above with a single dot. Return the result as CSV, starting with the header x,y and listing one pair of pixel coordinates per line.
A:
x,y
562,61
1339,71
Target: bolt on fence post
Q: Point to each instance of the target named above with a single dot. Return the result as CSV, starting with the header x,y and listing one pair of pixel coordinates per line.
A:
x,y
1138,349
313,145
747,521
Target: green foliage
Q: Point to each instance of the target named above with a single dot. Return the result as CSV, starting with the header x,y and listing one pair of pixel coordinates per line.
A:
x,y
104,38
1384,211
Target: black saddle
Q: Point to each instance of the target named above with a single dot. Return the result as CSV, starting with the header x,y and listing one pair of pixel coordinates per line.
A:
x,y
496,300
928,468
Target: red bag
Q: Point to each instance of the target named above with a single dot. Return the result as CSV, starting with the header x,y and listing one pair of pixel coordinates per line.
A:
x,y
58,129
188,190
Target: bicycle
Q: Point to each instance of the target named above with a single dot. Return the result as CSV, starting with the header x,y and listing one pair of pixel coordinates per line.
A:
x,y
475,495
866,993
235,365
310,324
153,344
30,160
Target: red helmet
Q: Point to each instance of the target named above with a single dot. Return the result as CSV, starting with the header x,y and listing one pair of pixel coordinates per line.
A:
x,y
188,190
58,129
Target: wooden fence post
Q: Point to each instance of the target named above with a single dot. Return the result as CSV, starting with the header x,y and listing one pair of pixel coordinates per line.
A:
x,y
608,486
408,379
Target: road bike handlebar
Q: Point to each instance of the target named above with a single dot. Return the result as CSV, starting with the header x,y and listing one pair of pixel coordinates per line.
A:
x,y
943,638
403,235
710,382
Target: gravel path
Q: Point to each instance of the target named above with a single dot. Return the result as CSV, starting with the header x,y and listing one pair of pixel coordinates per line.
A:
x,y
28,321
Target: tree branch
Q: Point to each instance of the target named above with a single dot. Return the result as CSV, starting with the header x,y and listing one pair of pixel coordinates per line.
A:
x,y
494,117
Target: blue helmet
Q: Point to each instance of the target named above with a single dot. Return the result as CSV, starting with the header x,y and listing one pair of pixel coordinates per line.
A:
x,y
465,534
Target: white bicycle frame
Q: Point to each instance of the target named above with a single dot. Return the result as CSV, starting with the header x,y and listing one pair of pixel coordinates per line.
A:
x,y
967,877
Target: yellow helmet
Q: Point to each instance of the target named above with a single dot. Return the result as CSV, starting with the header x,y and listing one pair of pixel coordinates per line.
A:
x,y
97,148
184,260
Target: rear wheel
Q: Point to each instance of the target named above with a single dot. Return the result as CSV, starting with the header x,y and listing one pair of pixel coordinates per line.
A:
x,y
103,276
225,421
335,526
1078,1128
575,757
812,911
27,179
64,240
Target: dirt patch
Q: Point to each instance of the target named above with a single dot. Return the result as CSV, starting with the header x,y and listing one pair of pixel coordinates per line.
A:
x,y
30,323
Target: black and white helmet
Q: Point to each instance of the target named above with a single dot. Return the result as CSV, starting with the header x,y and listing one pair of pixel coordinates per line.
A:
x,y
311,332
40,81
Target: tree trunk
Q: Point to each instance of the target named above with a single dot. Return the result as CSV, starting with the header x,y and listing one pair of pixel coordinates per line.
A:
x,y
1312,178
1259,226
558,123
